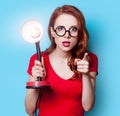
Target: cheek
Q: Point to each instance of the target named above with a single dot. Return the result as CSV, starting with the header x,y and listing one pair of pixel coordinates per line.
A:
x,y
74,42
57,41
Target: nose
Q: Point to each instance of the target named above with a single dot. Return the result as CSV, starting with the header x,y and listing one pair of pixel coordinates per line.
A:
x,y
67,34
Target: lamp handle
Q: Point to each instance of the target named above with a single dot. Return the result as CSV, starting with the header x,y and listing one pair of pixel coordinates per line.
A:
x,y
38,57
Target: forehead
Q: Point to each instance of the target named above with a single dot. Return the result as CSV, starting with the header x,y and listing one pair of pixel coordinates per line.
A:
x,y
66,20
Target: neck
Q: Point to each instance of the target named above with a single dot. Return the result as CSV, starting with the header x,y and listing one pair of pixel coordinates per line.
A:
x,y
61,55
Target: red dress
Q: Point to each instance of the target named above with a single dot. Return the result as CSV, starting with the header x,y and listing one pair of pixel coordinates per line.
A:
x,y
63,98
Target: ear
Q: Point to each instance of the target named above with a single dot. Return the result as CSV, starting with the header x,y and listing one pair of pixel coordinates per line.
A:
x,y
52,31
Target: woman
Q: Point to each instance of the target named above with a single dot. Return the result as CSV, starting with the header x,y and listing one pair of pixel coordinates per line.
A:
x,y
67,65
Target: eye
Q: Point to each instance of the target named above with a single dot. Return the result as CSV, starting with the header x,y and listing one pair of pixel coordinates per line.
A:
x,y
60,28
74,29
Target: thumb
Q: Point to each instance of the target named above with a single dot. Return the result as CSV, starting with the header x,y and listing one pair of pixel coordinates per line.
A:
x,y
85,57
42,61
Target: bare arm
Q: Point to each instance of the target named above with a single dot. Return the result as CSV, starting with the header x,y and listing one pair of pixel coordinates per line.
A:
x,y
88,95
88,78
31,99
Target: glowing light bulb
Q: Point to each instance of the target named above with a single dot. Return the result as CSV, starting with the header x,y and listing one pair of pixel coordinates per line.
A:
x,y
35,33
32,31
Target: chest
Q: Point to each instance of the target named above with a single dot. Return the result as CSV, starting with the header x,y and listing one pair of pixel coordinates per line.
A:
x,y
61,69
71,89
66,88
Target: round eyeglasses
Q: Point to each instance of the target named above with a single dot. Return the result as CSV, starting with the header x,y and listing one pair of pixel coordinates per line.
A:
x,y
61,31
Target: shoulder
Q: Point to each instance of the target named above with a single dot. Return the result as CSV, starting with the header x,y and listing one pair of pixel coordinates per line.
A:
x,y
34,56
43,53
93,56
93,62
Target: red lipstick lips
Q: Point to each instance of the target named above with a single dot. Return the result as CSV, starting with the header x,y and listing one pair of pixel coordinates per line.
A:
x,y
66,43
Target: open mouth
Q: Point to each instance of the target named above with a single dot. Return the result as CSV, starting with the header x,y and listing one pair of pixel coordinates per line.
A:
x,y
66,44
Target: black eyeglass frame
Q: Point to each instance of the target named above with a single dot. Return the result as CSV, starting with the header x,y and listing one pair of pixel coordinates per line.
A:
x,y
66,31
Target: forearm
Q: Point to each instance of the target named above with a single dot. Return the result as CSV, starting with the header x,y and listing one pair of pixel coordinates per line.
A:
x,y
30,101
31,98
88,95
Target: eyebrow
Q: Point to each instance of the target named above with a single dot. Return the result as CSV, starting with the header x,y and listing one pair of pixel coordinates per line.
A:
x,y
65,27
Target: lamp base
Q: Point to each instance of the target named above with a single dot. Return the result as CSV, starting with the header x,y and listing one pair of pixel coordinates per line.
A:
x,y
37,85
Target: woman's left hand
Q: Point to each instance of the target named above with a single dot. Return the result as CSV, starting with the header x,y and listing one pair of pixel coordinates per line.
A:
x,y
82,64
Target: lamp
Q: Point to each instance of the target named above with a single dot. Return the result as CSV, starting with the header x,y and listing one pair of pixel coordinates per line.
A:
x,y
32,31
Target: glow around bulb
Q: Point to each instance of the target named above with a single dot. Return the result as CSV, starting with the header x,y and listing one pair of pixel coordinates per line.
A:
x,y
32,31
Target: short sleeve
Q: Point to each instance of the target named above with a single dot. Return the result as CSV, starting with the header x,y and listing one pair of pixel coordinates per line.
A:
x,y
93,63
31,64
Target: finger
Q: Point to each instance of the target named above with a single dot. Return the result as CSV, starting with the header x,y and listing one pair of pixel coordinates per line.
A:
x,y
44,71
36,62
83,70
42,61
82,67
38,73
85,57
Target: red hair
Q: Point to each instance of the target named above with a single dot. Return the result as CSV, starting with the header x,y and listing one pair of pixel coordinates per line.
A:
x,y
81,47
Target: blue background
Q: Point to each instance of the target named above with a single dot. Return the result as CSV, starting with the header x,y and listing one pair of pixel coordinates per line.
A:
x,y
103,22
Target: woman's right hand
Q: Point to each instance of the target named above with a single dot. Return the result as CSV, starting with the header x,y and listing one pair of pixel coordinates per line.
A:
x,y
38,70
